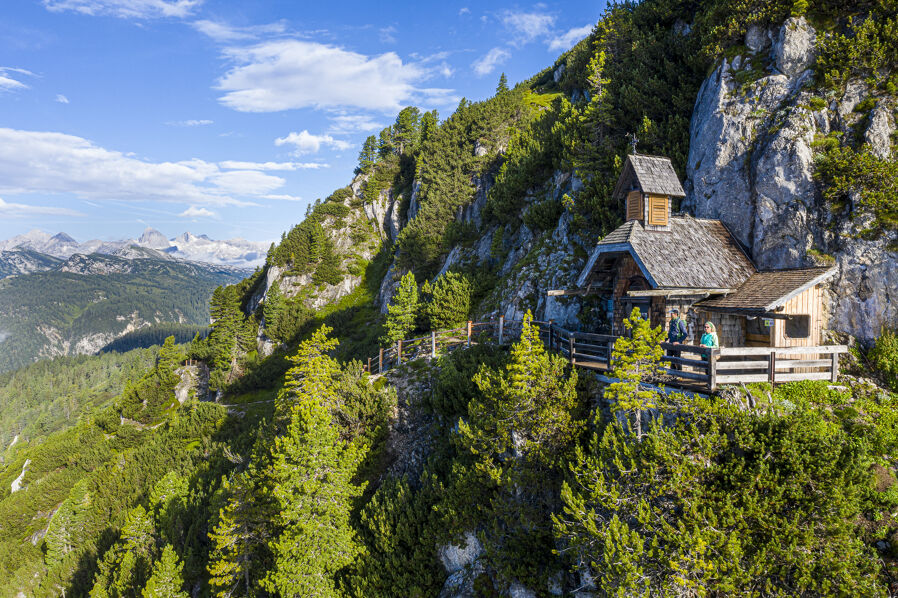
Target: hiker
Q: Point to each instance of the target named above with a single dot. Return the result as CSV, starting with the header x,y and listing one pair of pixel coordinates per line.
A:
x,y
709,338
676,334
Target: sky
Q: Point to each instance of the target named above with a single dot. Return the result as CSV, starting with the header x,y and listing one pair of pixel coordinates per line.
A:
x,y
228,118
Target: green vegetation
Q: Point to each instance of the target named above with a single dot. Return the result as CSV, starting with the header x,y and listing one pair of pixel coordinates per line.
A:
x,y
48,396
884,356
42,313
448,301
402,311
311,477
847,173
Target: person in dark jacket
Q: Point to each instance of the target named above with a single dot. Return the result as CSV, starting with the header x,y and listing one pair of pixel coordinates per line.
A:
x,y
676,334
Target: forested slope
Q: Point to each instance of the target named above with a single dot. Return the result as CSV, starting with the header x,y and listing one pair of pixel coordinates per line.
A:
x,y
490,471
86,302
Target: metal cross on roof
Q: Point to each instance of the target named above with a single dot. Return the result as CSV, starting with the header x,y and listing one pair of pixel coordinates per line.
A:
x,y
633,142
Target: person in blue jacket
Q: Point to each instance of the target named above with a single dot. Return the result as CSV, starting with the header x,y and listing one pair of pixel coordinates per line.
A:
x,y
676,334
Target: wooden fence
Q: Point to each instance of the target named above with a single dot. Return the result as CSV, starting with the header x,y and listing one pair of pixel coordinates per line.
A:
x,y
689,366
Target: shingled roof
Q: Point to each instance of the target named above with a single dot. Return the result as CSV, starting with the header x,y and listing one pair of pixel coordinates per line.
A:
x,y
767,291
695,253
655,174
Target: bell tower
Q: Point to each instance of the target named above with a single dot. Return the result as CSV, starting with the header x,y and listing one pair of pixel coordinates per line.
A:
x,y
646,187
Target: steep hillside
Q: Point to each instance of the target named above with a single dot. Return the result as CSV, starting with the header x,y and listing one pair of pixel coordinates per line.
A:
x,y
86,302
494,472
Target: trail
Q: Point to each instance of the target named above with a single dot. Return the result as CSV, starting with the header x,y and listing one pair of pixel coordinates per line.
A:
x,y
13,443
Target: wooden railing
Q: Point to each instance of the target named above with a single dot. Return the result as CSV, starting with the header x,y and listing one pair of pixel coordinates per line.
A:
x,y
689,366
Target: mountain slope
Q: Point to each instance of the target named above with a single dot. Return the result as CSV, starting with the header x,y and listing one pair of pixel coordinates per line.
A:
x,y
86,302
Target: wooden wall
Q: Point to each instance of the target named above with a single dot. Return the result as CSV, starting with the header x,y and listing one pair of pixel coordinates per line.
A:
x,y
808,303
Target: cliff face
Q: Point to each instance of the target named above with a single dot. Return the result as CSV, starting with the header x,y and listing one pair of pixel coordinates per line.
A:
x,y
751,164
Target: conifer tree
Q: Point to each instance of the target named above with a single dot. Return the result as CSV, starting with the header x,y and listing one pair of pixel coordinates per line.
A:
x,y
271,311
407,128
518,431
429,123
368,155
312,472
636,358
126,566
402,311
166,580
502,87
449,301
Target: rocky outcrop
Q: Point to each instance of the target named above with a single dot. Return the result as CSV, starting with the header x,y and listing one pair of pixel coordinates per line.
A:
x,y
751,164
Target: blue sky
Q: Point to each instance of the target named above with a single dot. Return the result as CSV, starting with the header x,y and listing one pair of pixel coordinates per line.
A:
x,y
229,117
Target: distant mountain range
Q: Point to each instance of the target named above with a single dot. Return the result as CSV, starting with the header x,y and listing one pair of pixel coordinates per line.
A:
x,y
186,246
50,306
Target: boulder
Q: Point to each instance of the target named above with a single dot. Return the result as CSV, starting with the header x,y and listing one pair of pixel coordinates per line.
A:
x,y
795,47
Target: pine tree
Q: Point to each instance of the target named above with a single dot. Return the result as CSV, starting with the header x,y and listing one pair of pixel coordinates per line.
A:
x,y
166,580
402,311
518,431
503,85
429,124
449,301
271,311
126,566
368,155
385,143
407,128
636,358
312,472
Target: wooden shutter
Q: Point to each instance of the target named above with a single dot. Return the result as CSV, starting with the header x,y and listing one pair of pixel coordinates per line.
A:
x,y
658,210
634,205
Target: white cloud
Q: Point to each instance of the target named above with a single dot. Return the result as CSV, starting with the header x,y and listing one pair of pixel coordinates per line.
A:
x,y
247,182
126,9
353,123
567,40
287,74
487,63
387,35
195,212
18,210
190,123
284,197
528,25
62,99
8,83
223,32
464,11
47,162
306,143
239,165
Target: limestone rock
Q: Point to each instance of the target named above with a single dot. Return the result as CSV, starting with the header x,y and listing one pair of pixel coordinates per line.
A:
x,y
879,133
558,73
795,49
757,39
751,165
456,557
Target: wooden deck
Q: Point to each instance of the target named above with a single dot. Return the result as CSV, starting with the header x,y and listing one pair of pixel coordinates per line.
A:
x,y
701,369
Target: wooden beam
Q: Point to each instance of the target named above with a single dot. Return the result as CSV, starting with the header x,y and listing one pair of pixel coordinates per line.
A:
x,y
820,349
685,292
576,292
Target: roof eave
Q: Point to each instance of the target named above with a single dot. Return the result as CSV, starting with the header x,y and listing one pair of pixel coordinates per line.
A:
x,y
798,291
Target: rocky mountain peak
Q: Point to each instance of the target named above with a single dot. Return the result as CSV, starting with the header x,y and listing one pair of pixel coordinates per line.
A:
x,y
153,238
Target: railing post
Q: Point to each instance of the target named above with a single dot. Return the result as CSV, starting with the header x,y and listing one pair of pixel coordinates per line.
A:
x,y
610,351
433,344
399,352
712,370
551,334
369,365
469,333
380,361
501,328
834,374
771,368
570,348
